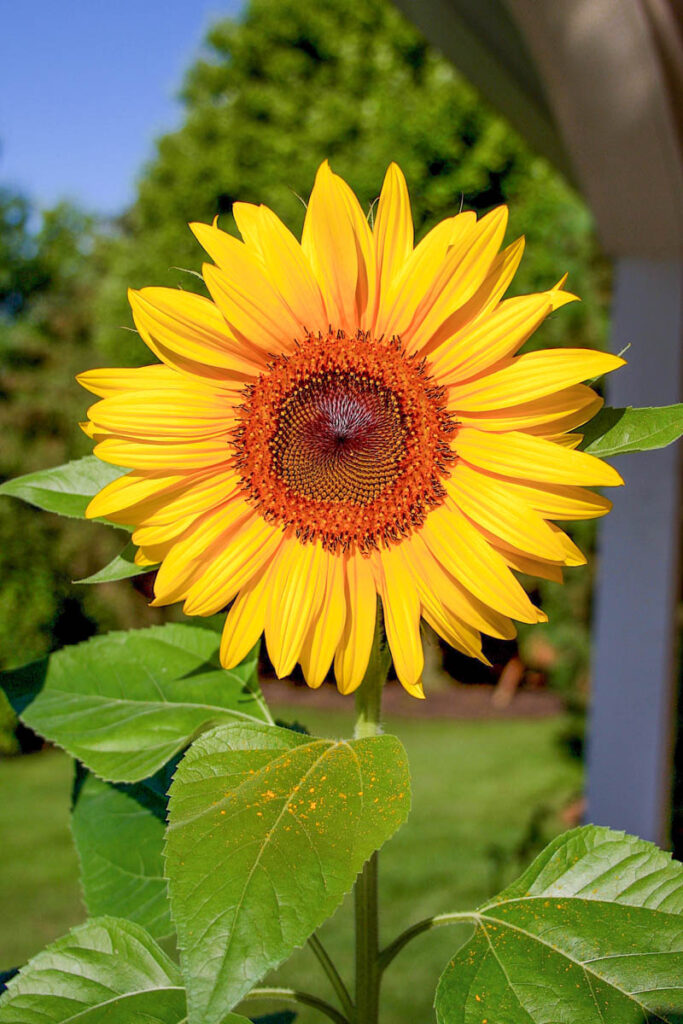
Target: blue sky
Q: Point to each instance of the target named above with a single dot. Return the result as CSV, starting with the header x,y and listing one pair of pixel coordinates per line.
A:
x,y
85,88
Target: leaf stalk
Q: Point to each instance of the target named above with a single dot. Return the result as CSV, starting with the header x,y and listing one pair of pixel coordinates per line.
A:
x,y
395,947
333,974
291,995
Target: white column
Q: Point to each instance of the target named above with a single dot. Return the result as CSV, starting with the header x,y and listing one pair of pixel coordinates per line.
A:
x,y
633,679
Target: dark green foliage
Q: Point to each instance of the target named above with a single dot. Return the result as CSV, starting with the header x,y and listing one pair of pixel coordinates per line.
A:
x,y
295,82
45,339
6,976
20,270
286,1017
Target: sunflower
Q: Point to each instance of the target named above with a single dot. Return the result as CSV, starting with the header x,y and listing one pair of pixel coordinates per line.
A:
x,y
344,418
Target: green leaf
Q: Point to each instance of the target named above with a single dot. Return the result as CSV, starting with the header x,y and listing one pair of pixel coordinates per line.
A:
x,y
618,431
106,970
284,824
118,831
125,703
66,489
592,933
286,1017
120,568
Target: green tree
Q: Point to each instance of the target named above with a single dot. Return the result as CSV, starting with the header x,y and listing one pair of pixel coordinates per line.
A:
x,y
20,271
49,275
293,82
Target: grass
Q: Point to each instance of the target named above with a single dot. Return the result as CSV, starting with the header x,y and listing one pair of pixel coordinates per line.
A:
x,y
39,891
486,796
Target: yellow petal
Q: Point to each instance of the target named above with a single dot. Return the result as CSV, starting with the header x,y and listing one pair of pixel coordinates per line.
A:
x,y
531,376
401,606
297,592
449,626
325,633
486,297
285,263
240,287
490,504
488,339
532,458
571,554
246,619
398,304
205,540
464,270
562,410
472,560
531,566
247,549
330,243
393,229
248,220
454,631
456,598
366,285
565,440
142,559
126,378
353,653
562,502
180,412
183,455
202,492
149,536
188,332
133,489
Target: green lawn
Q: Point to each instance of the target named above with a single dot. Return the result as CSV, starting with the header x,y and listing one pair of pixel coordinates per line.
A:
x,y
482,790
39,891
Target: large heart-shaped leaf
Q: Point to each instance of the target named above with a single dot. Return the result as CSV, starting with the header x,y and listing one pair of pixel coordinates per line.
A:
x,y
66,489
105,970
618,431
124,704
119,835
283,823
592,933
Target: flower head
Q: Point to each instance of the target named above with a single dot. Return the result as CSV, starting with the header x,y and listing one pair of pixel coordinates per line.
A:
x,y
346,418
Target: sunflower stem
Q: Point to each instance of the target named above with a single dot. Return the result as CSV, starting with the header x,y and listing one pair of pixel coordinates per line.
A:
x,y
368,975
368,713
369,693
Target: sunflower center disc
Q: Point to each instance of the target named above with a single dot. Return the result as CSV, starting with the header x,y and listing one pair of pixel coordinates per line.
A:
x,y
339,439
346,439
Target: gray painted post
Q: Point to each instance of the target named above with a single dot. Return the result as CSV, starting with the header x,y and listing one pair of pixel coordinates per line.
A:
x,y
633,687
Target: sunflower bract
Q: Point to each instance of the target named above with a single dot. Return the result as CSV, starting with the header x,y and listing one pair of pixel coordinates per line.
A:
x,y
347,417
